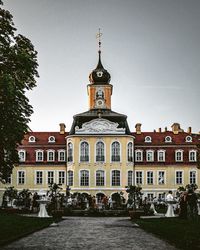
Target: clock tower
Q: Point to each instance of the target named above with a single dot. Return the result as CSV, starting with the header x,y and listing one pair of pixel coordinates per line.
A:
x,y
99,89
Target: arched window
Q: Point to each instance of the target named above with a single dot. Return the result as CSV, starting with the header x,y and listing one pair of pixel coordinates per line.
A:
x,y
31,138
100,178
100,151
130,178
70,152
130,151
84,178
70,176
84,152
115,151
39,155
138,155
22,155
168,139
148,139
179,155
50,155
192,155
115,178
51,139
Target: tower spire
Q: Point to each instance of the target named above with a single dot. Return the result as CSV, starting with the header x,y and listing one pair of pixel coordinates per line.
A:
x,y
98,36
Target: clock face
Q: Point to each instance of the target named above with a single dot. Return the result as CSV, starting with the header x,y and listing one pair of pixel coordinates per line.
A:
x,y
100,102
99,73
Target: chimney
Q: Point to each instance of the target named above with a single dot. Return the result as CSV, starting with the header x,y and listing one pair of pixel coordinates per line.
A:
x,y
138,128
62,128
159,130
189,130
165,129
176,128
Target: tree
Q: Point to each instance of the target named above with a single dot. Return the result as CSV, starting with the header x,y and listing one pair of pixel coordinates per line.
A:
x,y
55,195
18,70
9,195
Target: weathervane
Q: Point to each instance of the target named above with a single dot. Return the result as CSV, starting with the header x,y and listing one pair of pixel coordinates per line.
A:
x,y
98,36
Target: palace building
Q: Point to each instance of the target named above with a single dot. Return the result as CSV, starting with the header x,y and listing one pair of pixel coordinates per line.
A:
x,y
100,155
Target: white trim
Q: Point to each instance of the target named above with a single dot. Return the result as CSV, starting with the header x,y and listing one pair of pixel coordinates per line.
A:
x,y
51,139
127,151
84,162
47,171
179,151
120,181
182,177
149,151
24,157
148,139
58,171
161,184
130,170
161,151
36,156
19,184
80,177
120,151
153,177
96,176
188,138
95,147
59,152
138,151
68,142
48,152
35,177
195,155
142,176
31,139
67,179
168,137
196,175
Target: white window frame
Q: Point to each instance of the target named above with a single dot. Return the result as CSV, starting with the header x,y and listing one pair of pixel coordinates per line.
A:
x,y
31,139
164,177
148,139
48,155
127,151
139,171
37,152
131,177
59,155
168,139
80,152
68,178
72,156
176,155
120,151
150,171
80,178
36,177
51,139
141,152
103,176
195,156
58,177
95,154
48,183
192,171
111,177
188,138
24,157
21,177
179,177
161,151
9,181
152,152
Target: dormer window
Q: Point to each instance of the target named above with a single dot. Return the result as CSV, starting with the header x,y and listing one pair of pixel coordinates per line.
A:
x,y
148,139
51,139
168,139
31,139
22,155
188,138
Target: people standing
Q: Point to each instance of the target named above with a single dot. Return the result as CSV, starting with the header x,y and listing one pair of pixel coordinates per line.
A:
x,y
170,209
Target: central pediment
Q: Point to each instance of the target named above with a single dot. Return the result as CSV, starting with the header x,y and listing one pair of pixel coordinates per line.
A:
x,y
99,126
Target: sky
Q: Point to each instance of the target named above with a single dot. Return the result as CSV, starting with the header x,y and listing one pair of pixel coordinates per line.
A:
x,y
150,47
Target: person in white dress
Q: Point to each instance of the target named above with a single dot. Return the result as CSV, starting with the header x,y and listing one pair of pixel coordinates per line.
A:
x,y
43,212
170,209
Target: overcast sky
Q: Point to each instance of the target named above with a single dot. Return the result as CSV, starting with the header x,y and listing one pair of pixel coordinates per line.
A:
x,y
150,47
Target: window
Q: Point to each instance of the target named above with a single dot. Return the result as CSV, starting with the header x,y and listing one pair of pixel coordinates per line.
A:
x,y
161,155
130,178
84,178
115,178
31,138
148,139
161,177
21,177
139,177
61,177
188,138
179,155
61,155
168,139
149,177
39,177
179,177
161,196
115,151
100,179
70,152
130,151
138,155
150,196
50,177
51,139
9,180
100,152
39,155
149,155
192,177
50,155
22,155
192,155
70,178
84,157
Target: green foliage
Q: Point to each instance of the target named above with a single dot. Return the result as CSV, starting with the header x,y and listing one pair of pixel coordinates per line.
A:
x,y
55,195
9,195
24,198
18,69
134,195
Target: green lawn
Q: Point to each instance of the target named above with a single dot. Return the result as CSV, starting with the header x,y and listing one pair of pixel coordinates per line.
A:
x,y
13,226
184,234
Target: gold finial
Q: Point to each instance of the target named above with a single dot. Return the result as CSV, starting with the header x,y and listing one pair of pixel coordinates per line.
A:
x,y
98,36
